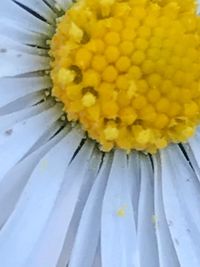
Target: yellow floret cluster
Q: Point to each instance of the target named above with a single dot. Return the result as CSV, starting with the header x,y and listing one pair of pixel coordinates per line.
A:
x,y
129,71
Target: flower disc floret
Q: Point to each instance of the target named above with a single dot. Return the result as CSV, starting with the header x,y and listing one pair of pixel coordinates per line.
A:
x,y
129,71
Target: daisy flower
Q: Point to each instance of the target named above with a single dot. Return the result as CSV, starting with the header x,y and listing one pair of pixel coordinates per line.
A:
x,y
99,133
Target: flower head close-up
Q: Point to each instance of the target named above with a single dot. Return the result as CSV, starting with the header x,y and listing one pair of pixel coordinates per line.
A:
x,y
99,133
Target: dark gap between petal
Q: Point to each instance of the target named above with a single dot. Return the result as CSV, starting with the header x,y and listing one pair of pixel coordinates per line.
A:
x,y
77,150
32,12
185,155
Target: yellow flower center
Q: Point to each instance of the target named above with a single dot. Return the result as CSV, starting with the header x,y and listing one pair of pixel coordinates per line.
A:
x,y
129,71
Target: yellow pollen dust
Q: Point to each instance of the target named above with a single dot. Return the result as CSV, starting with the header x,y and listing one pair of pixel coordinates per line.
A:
x,y
129,71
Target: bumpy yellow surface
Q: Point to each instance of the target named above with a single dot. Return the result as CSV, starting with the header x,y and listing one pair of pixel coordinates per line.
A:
x,y
129,71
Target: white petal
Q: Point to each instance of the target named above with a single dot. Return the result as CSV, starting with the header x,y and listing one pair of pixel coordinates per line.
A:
x,y
97,260
14,88
167,253
89,178
194,143
51,3
12,11
19,34
27,101
40,8
192,150
7,121
147,244
53,129
133,172
63,4
181,203
7,43
58,223
90,224
118,230
16,179
13,63
12,149
37,201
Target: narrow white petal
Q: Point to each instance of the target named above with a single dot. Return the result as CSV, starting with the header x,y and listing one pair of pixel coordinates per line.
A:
x,y
51,131
13,63
118,230
194,143
7,121
146,238
84,250
181,197
16,179
14,88
134,173
7,43
37,201
27,101
40,8
12,149
166,250
10,10
192,149
97,260
63,4
19,34
90,175
57,226
51,3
